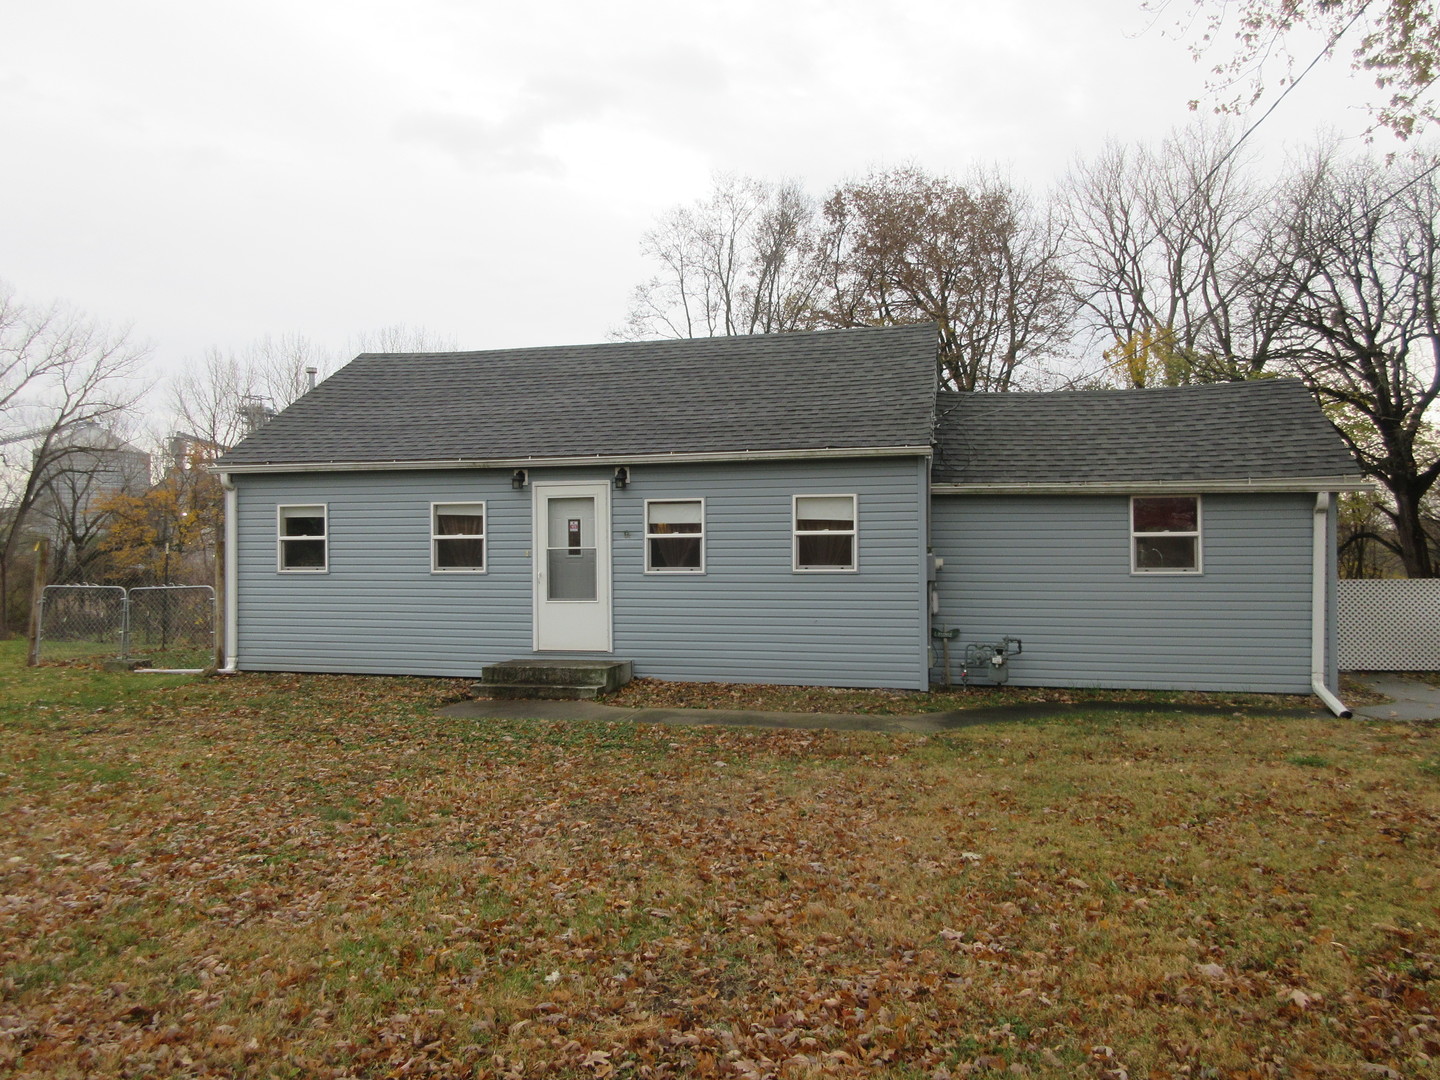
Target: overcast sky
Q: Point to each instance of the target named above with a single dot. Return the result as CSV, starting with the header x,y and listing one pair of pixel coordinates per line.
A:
x,y
211,173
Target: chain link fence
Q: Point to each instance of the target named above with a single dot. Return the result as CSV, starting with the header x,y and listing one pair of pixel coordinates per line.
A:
x,y
171,626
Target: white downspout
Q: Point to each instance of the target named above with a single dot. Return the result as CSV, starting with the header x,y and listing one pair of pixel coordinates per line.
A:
x,y
1319,588
232,573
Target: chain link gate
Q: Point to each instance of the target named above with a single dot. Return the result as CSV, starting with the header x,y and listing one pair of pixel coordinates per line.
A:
x,y
81,621
171,626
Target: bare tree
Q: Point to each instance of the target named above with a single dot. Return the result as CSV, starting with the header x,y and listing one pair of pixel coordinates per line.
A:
x,y
223,396
88,465
979,259
737,262
398,338
213,398
281,363
59,369
1171,258
1362,263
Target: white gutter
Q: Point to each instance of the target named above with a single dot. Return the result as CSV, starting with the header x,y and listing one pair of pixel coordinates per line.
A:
x,y
536,462
1143,487
1319,582
232,573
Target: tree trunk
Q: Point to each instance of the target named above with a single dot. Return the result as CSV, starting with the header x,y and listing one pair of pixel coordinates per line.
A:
x,y
1410,532
4,592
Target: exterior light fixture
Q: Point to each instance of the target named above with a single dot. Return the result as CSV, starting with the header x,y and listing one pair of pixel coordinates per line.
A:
x,y
622,478
519,478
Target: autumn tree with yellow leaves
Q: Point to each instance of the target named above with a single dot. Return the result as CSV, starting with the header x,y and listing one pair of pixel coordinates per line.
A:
x,y
167,533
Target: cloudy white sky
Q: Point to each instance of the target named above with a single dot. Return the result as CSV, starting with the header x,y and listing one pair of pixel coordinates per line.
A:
x,y
212,173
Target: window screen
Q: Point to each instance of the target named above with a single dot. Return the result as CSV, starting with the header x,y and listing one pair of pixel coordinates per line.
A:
x,y
302,538
457,536
1165,534
675,536
824,532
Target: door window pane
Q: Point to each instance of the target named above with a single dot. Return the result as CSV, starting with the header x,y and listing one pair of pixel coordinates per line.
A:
x,y
571,577
570,561
570,519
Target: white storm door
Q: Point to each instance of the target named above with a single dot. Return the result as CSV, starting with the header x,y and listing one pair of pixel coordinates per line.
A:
x,y
571,555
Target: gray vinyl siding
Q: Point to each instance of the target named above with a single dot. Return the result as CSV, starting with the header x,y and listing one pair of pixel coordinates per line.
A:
x,y
748,618
1055,572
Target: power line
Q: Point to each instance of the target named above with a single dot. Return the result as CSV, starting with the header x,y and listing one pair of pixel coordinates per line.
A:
x,y
1235,146
1403,188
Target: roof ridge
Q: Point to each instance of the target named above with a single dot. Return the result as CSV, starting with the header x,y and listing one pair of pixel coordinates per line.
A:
x,y
1229,384
766,340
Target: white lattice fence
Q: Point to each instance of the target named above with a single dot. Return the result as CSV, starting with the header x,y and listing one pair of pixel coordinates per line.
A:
x,y
1391,625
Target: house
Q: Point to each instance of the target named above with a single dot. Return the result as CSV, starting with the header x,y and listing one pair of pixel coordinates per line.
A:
x,y
799,508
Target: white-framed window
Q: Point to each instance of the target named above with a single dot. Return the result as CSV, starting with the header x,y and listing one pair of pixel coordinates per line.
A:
x,y
825,532
457,538
674,536
1165,534
302,539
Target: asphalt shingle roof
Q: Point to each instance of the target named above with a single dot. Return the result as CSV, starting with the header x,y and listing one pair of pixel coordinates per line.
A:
x,y
1269,428
835,389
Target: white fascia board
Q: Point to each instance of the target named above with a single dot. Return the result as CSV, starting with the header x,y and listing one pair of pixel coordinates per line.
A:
x,y
1162,487
597,459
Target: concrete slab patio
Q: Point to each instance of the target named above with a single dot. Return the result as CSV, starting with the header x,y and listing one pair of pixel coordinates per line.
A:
x,y
1412,698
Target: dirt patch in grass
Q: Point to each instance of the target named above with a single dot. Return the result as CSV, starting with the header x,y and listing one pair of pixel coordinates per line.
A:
x,y
657,694
280,875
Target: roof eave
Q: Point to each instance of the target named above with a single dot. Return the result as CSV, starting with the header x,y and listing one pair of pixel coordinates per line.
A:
x,y
1252,485
537,462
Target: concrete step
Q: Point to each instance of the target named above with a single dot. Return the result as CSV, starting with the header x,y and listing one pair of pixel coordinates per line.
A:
x,y
606,675
554,680
534,692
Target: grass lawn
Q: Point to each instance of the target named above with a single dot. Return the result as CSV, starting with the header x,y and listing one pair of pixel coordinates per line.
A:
x,y
306,876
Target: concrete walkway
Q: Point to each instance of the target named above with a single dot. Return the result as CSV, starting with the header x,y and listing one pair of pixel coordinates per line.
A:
x,y
919,722
1412,698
